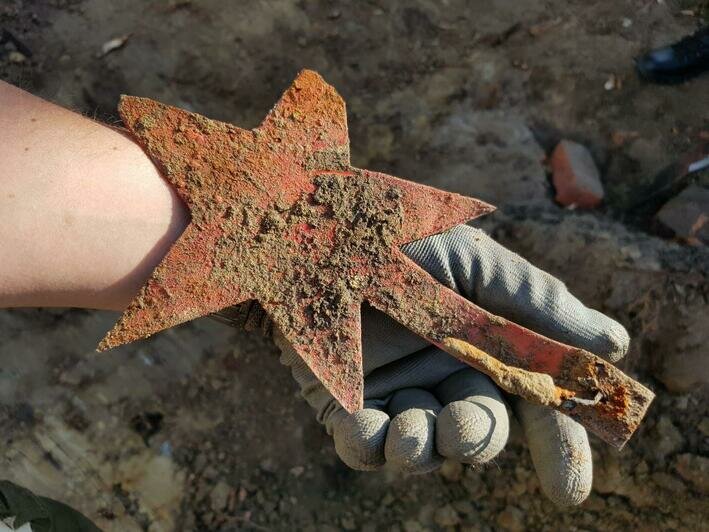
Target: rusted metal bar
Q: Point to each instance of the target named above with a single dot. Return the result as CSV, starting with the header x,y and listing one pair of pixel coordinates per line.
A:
x,y
574,381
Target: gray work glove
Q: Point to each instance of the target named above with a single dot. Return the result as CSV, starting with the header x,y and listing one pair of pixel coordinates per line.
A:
x,y
422,405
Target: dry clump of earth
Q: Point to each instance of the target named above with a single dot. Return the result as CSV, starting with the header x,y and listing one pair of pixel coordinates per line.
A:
x,y
201,428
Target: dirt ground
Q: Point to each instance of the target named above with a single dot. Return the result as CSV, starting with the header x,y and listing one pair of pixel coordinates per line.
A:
x,y
200,428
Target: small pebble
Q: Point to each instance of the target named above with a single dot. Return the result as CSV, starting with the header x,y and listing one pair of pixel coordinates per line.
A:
x,y
16,57
446,516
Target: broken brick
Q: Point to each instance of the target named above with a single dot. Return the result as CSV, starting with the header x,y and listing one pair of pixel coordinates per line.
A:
x,y
687,215
575,176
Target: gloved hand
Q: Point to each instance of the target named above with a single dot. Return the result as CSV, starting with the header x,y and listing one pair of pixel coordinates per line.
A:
x,y
422,405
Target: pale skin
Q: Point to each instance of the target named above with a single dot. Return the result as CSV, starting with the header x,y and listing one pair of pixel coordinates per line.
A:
x,y
84,214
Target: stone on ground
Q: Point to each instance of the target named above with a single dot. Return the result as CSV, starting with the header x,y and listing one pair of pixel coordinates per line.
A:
x,y
687,215
694,469
575,176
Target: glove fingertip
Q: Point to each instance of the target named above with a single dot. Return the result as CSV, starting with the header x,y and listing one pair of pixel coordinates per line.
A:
x,y
410,445
614,340
560,452
570,482
359,438
471,433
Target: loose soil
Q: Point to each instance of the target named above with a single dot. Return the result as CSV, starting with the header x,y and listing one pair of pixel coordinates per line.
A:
x,y
458,95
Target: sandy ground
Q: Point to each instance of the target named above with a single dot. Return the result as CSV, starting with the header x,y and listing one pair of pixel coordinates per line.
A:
x,y
200,428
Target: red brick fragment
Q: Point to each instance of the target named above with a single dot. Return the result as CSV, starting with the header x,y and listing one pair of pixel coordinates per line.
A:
x,y
687,215
575,176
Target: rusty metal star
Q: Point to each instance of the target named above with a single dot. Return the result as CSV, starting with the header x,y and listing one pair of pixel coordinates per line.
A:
x,y
279,215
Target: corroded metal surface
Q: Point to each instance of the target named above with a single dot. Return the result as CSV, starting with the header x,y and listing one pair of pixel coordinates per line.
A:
x,y
280,216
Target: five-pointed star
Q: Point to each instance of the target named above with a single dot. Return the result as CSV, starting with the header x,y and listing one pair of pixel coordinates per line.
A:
x,y
279,215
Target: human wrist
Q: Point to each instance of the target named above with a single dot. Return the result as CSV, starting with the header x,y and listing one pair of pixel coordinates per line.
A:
x,y
84,214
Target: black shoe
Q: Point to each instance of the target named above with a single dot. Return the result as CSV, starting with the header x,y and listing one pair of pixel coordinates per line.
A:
x,y
677,62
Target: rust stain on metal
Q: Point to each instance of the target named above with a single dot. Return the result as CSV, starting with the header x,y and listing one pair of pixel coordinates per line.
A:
x,y
279,215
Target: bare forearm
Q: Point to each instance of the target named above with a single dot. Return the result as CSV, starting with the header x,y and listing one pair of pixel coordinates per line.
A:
x,y
84,214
